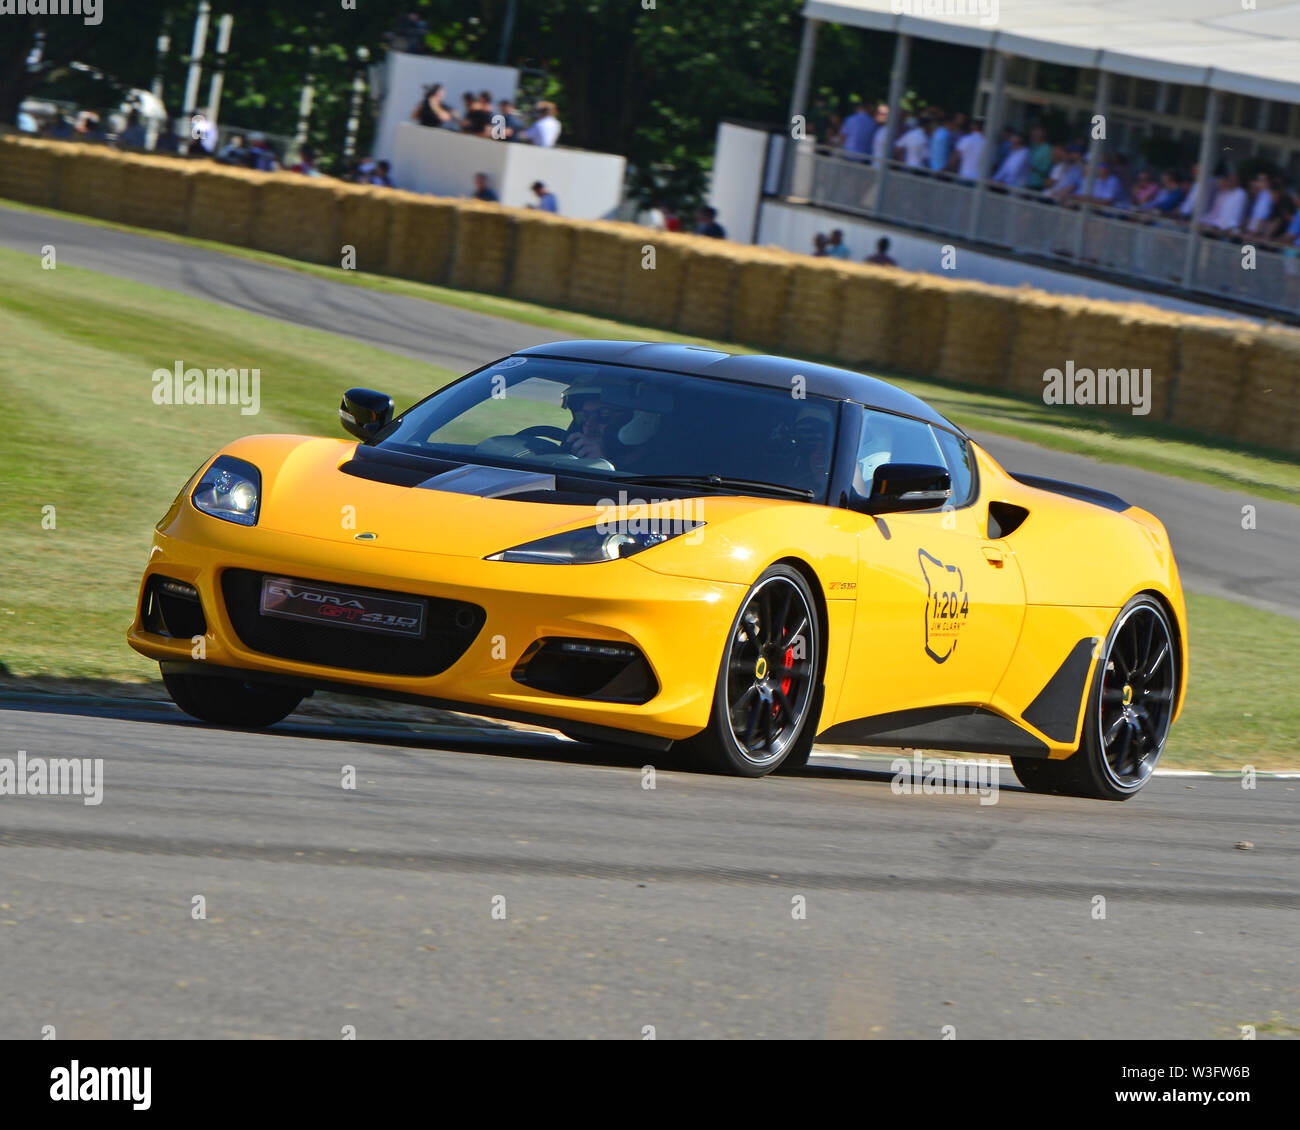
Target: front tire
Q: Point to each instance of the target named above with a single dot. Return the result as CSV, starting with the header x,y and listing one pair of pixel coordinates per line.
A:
x,y
766,700
231,702
1130,708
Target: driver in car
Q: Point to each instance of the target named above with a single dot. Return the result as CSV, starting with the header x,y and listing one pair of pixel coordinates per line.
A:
x,y
604,429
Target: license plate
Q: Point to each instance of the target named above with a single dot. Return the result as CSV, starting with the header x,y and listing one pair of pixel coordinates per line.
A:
x,y
341,608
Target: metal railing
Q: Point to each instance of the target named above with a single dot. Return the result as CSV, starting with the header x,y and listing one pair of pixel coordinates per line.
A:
x,y
1138,247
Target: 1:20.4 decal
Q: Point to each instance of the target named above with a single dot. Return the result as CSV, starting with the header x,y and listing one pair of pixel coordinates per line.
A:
x,y
949,605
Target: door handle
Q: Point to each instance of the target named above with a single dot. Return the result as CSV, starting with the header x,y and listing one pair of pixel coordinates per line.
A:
x,y
994,556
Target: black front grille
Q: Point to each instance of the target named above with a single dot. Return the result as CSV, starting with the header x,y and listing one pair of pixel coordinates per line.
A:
x,y
595,669
172,608
450,627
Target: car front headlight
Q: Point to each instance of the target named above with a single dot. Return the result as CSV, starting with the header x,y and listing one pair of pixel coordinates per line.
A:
x,y
231,490
589,546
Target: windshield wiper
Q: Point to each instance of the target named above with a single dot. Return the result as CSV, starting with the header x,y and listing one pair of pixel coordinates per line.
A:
x,y
755,486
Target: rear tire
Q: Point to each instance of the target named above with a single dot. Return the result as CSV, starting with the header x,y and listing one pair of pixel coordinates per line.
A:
x,y
766,699
231,702
1130,708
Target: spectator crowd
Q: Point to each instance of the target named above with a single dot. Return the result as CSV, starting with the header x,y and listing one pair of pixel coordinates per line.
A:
x,y
1262,208
477,117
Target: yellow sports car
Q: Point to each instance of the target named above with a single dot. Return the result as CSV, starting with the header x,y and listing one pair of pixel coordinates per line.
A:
x,y
658,544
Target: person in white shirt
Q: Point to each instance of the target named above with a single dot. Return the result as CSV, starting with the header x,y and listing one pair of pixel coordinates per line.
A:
x,y
1261,209
969,149
1014,171
545,131
1228,212
914,146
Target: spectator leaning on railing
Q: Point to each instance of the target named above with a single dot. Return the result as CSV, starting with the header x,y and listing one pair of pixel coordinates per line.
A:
x,y
970,146
1014,169
1040,160
914,146
941,142
857,132
1228,212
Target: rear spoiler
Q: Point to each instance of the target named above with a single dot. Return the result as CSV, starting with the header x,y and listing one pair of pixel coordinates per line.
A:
x,y
1074,490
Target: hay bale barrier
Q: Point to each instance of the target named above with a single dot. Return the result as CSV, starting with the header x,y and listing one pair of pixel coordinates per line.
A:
x,y
1211,373
1216,376
223,204
922,311
1134,338
867,327
1269,406
543,257
157,194
29,171
595,278
1037,342
421,237
92,181
762,294
364,217
812,312
298,218
976,336
708,291
654,276
482,248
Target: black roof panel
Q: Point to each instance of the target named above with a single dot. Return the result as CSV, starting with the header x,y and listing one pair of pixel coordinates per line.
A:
x,y
775,372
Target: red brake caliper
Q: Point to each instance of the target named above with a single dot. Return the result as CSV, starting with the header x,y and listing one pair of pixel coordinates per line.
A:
x,y
788,662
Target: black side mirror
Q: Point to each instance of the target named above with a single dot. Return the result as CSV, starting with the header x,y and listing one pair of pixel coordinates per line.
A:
x,y
364,412
896,487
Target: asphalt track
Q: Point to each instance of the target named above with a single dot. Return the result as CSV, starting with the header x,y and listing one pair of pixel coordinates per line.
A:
x,y
624,907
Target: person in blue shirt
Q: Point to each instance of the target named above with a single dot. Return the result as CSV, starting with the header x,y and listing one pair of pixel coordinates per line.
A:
x,y
1171,195
940,143
706,223
836,248
858,132
546,201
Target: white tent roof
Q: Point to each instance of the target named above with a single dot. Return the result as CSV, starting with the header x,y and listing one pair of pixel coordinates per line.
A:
x,y
1214,43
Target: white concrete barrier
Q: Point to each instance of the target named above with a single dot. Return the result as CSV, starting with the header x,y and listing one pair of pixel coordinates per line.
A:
x,y
587,186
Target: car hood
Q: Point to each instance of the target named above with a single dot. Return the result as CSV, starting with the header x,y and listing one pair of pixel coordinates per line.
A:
x,y
304,492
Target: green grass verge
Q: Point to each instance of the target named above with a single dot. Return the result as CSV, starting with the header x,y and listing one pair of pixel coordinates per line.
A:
x,y
77,351
1132,441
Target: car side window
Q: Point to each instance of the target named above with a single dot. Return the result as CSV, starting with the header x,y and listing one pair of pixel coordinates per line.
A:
x,y
891,439
957,458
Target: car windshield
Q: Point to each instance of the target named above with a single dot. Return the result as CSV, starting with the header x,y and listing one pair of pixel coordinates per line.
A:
x,y
615,421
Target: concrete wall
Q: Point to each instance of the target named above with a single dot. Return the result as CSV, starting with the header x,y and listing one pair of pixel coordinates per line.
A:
x,y
588,186
739,154
792,226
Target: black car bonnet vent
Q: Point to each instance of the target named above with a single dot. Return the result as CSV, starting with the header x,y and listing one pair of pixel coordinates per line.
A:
x,y
489,482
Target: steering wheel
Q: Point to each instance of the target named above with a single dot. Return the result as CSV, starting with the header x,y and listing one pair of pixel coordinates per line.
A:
x,y
543,431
